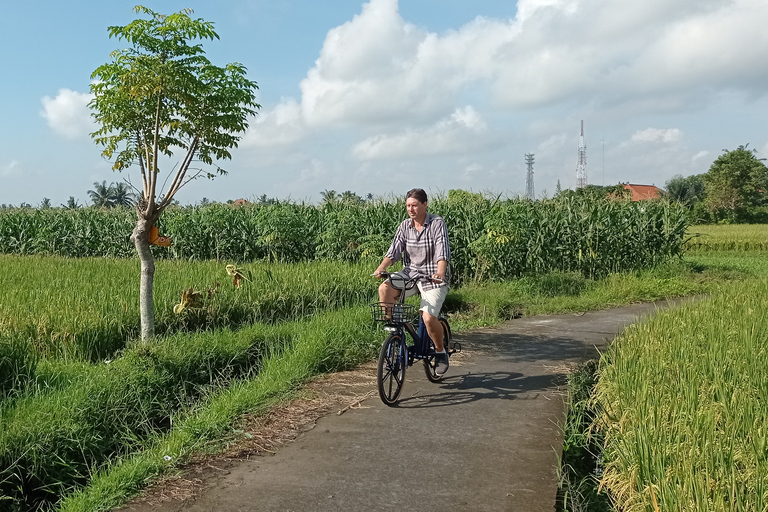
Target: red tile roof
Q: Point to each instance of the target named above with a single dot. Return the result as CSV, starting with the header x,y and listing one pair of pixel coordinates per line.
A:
x,y
642,192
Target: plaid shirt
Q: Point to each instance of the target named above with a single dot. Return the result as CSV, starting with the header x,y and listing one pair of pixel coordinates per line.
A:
x,y
420,252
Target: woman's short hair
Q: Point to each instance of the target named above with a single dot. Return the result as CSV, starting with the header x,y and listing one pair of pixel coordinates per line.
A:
x,y
418,194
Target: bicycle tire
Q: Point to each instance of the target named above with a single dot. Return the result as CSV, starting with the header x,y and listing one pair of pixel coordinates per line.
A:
x,y
390,375
429,363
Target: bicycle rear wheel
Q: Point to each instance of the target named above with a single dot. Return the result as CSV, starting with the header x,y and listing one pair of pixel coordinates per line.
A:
x,y
429,363
391,370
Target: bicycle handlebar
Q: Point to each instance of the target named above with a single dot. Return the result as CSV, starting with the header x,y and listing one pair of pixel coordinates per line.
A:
x,y
410,280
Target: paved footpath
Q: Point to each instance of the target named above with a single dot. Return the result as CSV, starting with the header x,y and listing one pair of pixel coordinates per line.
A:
x,y
486,438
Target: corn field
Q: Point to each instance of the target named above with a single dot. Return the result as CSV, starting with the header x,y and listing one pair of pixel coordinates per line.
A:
x,y
490,239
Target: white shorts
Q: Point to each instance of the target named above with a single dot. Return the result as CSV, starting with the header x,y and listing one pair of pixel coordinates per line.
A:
x,y
431,300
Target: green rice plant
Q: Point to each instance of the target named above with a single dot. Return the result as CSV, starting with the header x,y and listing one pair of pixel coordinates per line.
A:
x,y
682,401
87,309
580,468
727,237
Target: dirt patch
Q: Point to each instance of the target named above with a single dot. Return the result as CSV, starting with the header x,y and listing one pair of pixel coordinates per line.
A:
x,y
263,434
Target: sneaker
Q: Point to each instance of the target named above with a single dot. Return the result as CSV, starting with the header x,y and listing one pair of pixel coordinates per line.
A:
x,y
441,363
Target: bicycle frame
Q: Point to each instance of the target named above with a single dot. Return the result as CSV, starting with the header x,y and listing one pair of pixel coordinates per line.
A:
x,y
421,340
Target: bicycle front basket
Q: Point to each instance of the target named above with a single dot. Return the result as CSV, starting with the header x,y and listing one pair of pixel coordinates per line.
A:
x,y
387,312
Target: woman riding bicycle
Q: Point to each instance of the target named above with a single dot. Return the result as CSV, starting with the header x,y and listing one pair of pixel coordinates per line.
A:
x,y
421,242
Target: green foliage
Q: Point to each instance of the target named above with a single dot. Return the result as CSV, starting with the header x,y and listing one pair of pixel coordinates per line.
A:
x,y
490,238
596,192
688,190
578,234
737,186
51,442
163,93
728,237
80,308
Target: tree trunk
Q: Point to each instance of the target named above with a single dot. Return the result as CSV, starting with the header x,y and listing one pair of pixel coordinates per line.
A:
x,y
140,239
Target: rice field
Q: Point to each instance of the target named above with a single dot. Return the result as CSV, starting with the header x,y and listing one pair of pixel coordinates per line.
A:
x,y
724,237
682,402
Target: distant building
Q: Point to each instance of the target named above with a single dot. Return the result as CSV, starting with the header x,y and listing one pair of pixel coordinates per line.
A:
x,y
643,192
240,202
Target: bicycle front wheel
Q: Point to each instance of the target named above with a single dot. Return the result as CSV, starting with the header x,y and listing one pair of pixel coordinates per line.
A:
x,y
391,370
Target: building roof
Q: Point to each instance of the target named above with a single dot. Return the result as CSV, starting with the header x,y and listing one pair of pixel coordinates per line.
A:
x,y
643,192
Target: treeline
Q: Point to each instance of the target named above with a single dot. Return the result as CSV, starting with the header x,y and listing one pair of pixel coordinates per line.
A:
x,y
733,191
490,238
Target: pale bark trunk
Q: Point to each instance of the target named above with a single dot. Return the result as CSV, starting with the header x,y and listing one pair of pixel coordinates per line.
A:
x,y
140,238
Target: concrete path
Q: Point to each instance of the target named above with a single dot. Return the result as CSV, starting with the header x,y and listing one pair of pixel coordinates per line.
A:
x,y
486,438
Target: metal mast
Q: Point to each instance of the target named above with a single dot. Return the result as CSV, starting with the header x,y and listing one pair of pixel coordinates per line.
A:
x,y
581,167
529,177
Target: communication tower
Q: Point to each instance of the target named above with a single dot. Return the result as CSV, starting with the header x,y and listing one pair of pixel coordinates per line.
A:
x,y
581,167
529,177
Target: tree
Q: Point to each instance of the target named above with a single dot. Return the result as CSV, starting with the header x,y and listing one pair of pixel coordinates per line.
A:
x,y
162,99
122,195
329,196
686,190
45,203
71,203
349,197
101,195
736,185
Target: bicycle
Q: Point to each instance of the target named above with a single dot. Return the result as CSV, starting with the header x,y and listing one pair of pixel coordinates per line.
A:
x,y
396,353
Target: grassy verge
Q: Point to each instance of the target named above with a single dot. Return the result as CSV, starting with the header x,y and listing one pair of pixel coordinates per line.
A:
x,y
171,396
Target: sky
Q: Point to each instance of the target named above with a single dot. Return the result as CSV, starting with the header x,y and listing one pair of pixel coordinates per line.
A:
x,y
383,96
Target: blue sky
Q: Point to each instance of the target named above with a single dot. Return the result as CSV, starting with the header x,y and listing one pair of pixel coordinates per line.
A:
x,y
383,96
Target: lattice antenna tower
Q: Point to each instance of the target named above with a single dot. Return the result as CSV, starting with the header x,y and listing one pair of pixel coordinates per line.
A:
x,y
581,167
529,193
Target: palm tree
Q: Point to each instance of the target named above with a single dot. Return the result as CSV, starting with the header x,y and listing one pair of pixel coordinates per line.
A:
x,y
71,203
329,196
45,203
101,195
349,197
122,195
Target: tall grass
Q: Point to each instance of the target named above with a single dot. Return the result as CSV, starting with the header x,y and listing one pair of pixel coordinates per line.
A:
x,y
683,404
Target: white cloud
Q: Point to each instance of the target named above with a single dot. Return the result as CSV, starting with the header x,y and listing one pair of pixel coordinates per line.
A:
x,y
699,155
279,127
554,142
657,135
454,134
377,66
472,170
68,114
10,169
